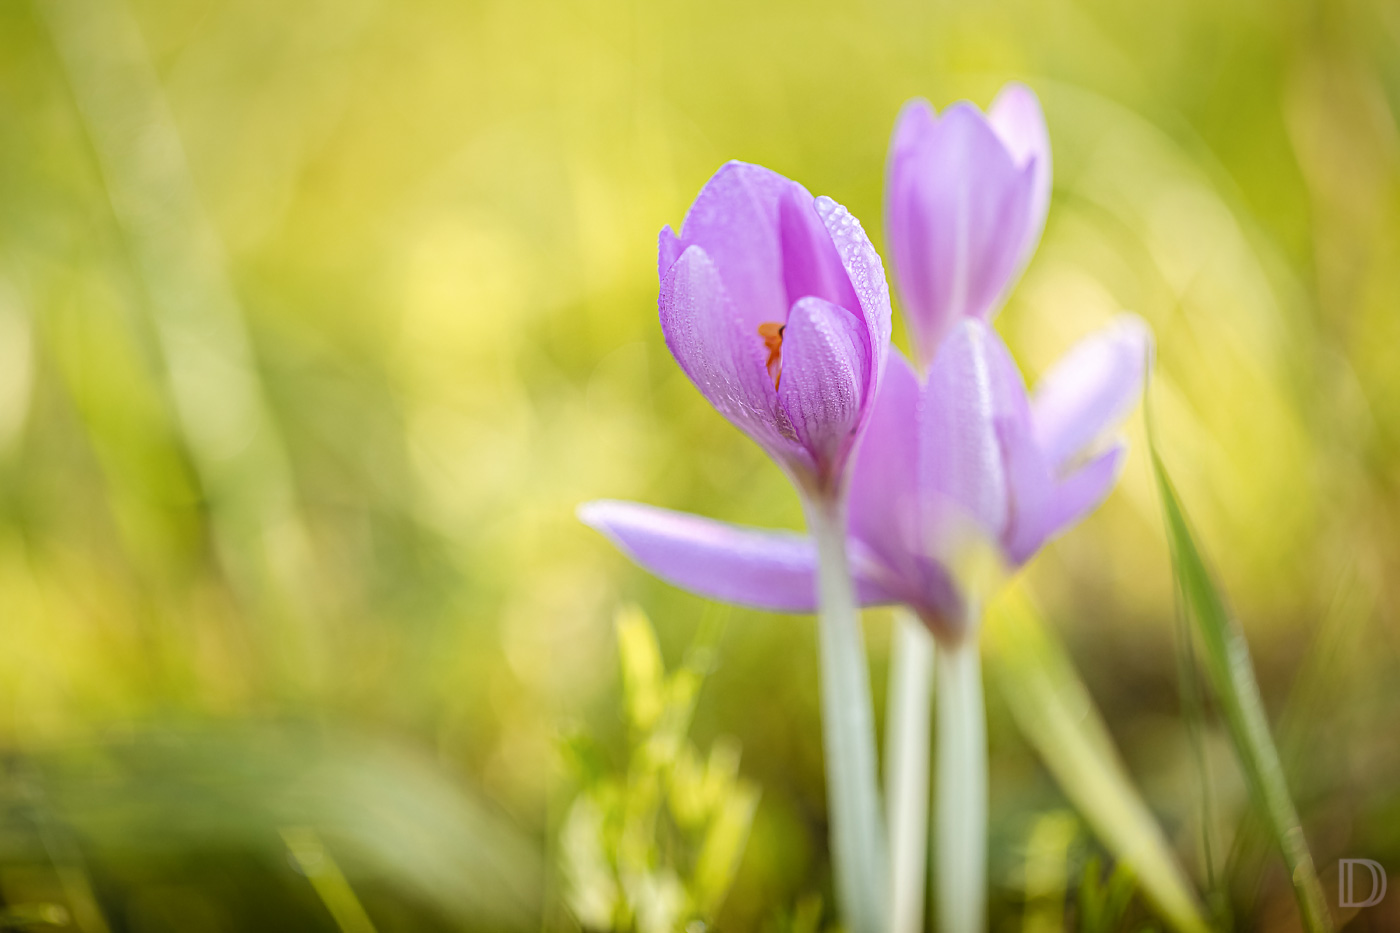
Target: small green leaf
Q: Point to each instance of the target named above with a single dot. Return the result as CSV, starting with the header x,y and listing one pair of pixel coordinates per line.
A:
x,y
642,671
723,847
1231,674
592,890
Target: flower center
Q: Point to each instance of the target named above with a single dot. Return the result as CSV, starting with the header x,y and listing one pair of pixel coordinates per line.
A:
x,y
772,334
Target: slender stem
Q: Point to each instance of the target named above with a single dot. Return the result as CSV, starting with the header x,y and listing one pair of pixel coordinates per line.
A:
x,y
848,731
906,768
960,816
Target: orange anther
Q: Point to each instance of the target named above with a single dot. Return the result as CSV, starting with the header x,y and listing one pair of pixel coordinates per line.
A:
x,y
772,334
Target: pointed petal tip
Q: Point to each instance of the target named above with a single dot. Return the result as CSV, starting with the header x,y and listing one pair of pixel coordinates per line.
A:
x,y
733,165
1133,341
1018,121
1134,331
1018,118
668,250
593,512
914,112
913,122
964,117
749,170
607,516
916,105
1016,94
1090,390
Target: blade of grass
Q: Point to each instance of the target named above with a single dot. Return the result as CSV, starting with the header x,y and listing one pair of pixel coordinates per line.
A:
x,y
1054,712
1193,714
1319,683
1231,673
211,368
328,881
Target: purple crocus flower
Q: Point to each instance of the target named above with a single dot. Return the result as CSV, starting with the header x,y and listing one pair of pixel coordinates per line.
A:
x,y
959,460
965,201
775,305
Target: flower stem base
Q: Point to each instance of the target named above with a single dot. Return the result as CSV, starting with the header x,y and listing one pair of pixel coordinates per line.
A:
x,y
858,850
960,815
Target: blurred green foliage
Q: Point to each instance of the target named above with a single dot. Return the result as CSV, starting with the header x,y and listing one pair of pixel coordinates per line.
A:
x,y
1054,713
656,848
318,319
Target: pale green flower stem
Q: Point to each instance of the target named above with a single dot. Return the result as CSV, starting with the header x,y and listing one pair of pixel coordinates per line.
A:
x,y
858,853
960,812
909,700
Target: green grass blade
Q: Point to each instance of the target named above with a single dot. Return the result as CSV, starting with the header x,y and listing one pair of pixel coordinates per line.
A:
x,y
211,367
1193,716
1231,673
1055,713
312,860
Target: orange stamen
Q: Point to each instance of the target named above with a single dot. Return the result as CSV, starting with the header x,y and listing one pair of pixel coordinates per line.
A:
x,y
772,335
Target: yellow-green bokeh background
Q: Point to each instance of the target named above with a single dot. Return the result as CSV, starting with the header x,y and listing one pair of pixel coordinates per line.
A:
x,y
439,224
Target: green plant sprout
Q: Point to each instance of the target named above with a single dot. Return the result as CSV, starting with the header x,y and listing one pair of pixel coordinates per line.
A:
x,y
656,848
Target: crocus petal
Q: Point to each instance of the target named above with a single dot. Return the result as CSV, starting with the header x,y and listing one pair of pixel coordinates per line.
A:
x,y
1016,117
1032,490
773,570
824,374
957,204
811,265
903,219
724,361
961,473
912,126
1029,481
1083,490
907,528
1091,389
906,223
735,218
668,250
866,274
884,505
